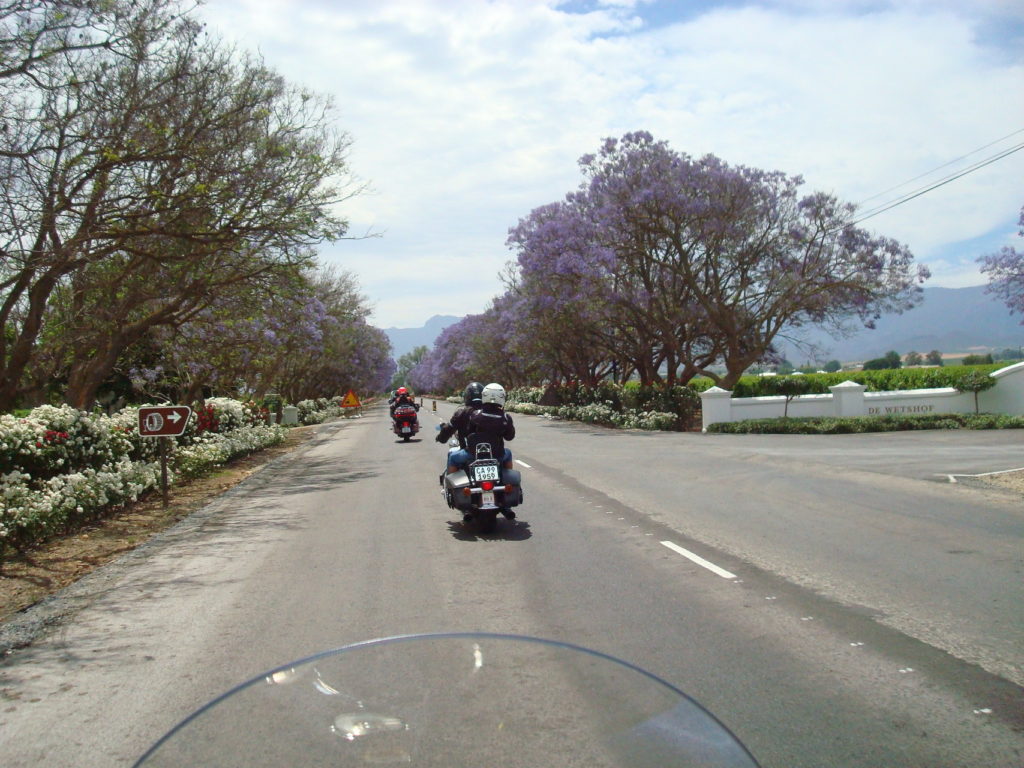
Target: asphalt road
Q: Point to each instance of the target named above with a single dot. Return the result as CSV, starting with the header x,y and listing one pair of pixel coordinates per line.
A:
x,y
862,610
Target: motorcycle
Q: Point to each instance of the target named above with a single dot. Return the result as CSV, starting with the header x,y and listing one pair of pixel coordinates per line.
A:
x,y
404,422
483,488
453,699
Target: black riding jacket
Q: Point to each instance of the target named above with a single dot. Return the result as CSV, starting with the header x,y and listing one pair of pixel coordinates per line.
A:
x,y
458,425
491,425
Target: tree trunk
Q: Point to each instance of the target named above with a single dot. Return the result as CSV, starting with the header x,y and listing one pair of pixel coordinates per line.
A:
x,y
193,393
13,368
88,374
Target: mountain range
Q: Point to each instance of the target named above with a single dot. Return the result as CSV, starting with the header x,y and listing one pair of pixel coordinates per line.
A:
x,y
951,320
405,340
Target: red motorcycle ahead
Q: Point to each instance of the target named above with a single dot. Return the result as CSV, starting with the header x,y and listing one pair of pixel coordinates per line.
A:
x,y
404,422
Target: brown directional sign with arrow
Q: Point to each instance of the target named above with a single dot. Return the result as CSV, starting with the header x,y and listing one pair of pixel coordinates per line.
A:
x,y
163,420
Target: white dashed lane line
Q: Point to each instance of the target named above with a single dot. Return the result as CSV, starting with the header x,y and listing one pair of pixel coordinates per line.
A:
x,y
699,560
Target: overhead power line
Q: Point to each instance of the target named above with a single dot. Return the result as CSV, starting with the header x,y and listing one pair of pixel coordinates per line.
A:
x,y
940,167
941,182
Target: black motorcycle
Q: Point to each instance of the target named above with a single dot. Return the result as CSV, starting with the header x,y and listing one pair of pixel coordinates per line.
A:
x,y
483,489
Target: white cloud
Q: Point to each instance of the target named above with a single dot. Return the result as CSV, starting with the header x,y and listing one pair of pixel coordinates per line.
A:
x,y
466,115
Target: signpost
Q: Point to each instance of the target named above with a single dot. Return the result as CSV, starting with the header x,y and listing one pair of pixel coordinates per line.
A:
x,y
351,401
163,421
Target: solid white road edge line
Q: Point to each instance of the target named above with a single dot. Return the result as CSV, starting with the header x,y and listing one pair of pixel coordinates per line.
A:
x,y
699,560
523,463
952,478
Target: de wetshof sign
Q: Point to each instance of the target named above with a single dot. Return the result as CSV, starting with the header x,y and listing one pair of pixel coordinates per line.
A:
x,y
890,410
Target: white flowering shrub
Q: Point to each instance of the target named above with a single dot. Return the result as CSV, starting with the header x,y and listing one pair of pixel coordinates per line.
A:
x,y
60,467
214,449
531,409
594,413
524,396
318,411
650,420
33,510
58,440
230,414
604,414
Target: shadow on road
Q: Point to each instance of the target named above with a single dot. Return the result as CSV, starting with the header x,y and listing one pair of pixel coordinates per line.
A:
x,y
507,530
322,475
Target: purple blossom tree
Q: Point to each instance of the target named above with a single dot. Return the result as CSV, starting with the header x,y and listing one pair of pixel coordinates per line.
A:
x,y
478,347
691,262
307,339
1005,271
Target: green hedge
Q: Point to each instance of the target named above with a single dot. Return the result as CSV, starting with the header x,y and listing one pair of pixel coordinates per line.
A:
x,y
876,381
835,426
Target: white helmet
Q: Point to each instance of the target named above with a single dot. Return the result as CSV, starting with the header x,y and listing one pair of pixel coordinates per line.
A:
x,y
493,393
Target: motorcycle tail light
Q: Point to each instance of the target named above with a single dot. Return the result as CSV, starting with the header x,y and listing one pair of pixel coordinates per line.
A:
x,y
467,491
487,485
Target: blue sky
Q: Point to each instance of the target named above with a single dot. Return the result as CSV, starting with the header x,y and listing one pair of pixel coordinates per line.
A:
x,y
467,114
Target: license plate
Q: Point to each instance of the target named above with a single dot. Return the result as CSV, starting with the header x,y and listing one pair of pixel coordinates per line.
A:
x,y
487,499
486,472
406,430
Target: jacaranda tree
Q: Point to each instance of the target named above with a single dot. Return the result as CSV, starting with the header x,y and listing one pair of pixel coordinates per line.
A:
x,y
1005,271
699,262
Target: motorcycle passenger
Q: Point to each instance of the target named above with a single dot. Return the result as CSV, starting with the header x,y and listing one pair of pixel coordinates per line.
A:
x,y
402,397
488,424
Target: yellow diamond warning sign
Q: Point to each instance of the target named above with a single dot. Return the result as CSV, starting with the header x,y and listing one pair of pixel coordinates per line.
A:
x,y
350,400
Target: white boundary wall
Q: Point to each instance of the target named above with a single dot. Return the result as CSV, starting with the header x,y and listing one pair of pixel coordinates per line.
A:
x,y
851,399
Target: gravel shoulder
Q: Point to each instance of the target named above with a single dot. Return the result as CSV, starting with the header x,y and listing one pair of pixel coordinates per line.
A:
x,y
1010,481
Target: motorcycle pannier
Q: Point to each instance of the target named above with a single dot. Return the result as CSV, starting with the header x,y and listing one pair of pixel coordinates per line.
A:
x,y
453,485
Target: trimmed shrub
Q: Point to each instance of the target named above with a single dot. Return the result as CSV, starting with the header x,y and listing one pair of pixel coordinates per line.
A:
x,y
831,426
891,380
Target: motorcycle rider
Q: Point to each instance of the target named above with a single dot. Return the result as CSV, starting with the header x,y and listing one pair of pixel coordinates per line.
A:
x,y
459,423
402,397
488,424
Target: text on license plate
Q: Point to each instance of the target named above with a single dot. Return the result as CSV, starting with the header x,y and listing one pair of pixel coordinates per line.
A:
x,y
406,429
489,472
487,499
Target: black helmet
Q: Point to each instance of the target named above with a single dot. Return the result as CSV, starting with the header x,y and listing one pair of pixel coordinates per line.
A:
x,y
472,393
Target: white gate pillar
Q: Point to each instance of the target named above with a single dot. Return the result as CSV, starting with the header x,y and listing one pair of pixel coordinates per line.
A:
x,y
715,406
848,399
